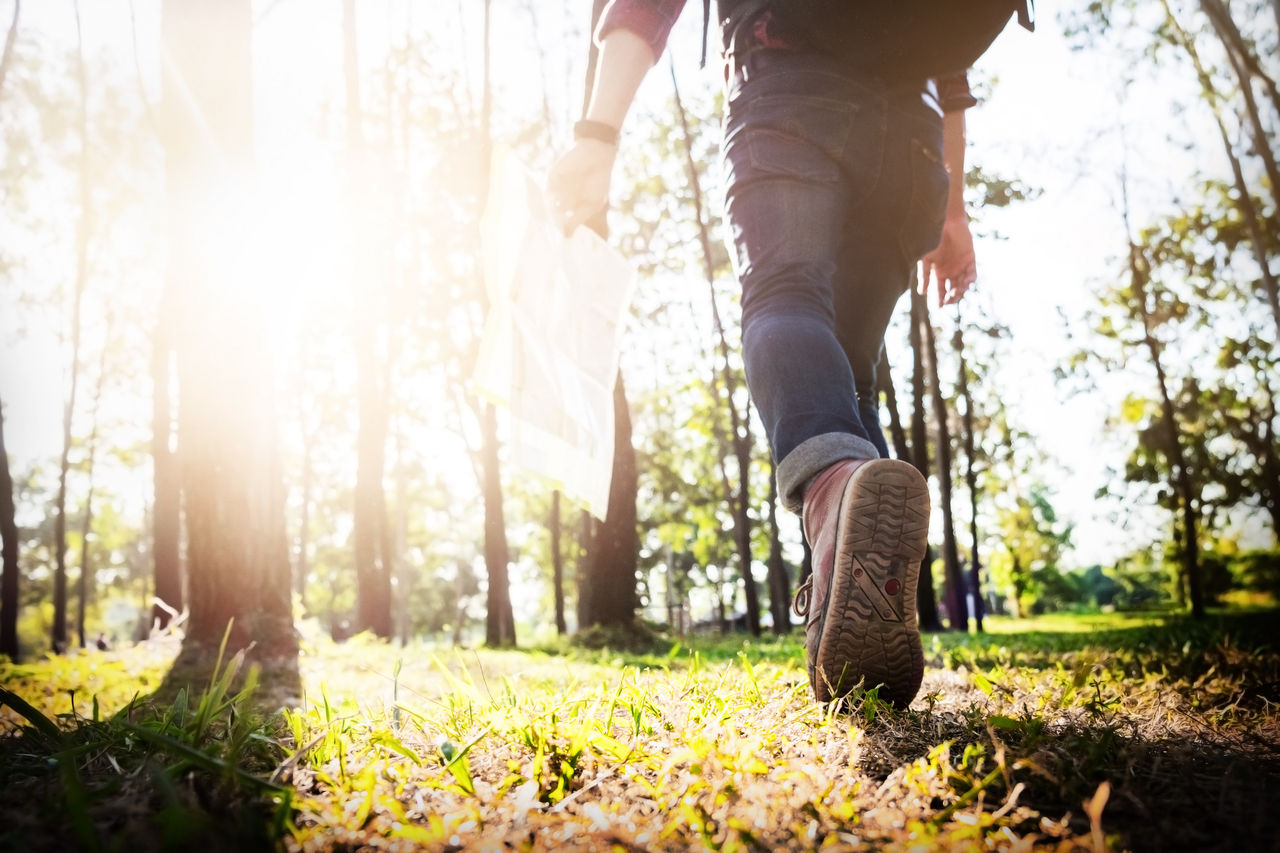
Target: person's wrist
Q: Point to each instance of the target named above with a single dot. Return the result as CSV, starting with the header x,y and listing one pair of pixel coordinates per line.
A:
x,y
598,131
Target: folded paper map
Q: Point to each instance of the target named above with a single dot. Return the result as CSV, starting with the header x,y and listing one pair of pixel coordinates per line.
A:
x,y
550,350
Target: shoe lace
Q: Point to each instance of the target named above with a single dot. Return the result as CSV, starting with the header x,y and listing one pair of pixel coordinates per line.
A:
x,y
800,603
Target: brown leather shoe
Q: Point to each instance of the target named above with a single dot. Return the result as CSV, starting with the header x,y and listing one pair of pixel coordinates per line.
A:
x,y
867,521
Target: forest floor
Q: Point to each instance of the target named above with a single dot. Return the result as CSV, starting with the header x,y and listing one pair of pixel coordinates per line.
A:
x,y
1092,732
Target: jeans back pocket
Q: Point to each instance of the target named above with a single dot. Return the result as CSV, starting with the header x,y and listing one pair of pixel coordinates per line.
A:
x,y
926,210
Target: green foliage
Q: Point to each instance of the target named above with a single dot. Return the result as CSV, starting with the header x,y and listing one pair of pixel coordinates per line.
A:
x,y
1024,562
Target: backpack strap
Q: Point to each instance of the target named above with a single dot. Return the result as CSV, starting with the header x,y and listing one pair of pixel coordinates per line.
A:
x,y
706,29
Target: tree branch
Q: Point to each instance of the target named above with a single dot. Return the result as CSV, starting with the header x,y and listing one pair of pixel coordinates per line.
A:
x,y
9,41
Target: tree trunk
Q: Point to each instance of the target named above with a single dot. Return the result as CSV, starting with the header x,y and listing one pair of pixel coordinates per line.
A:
x,y
499,619
372,562
779,582
400,559
608,597
86,521
9,41
302,559
500,627
953,589
1019,587
231,480
742,534
739,423
615,543
971,480
585,602
557,563
59,636
372,559
166,511
86,562
926,599
884,385
9,555
1182,484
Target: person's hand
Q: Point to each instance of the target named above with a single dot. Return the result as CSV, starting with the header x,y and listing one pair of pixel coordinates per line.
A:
x,y
579,182
952,265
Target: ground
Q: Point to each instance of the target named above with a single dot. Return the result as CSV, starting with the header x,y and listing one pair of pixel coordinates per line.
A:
x,y
1143,732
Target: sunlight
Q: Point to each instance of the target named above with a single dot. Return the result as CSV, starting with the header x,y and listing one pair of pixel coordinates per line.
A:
x,y
275,248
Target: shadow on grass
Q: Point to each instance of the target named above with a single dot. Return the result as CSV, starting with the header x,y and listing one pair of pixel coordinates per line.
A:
x,y
1167,791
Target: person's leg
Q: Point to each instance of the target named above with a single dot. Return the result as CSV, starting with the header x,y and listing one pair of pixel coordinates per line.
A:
x,y
897,223
868,521
821,186
792,128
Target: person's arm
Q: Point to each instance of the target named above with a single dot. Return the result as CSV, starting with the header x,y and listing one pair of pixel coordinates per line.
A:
x,y
953,264
579,180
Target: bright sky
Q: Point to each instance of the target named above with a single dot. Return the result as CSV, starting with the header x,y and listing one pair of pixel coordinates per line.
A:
x,y
1051,122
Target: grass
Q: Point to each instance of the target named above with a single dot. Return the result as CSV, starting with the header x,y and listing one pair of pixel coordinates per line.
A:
x,y
1092,732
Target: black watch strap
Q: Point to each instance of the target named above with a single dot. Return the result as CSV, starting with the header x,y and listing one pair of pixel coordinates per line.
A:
x,y
597,130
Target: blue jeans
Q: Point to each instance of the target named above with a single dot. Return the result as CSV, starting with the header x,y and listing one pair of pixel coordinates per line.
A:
x,y
835,187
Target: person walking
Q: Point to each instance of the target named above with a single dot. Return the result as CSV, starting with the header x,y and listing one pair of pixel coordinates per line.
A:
x,y
838,181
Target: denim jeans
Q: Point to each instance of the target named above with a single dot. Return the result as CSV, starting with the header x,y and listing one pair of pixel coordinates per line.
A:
x,y
835,187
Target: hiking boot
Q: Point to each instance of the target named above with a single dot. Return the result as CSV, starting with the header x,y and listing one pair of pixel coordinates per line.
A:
x,y
867,521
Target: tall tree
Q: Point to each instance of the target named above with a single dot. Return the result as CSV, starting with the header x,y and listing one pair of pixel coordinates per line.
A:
x,y
59,638
885,388
84,581
166,513
926,599
302,544
9,553
372,560
607,580
1170,438
554,528
970,473
739,438
953,586
500,629
231,480
9,41
609,595
779,579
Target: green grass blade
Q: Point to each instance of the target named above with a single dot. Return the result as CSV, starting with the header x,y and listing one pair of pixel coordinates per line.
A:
x,y
39,721
203,760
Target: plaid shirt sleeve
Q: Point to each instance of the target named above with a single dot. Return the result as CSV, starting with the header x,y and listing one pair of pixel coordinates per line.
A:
x,y
954,93
652,20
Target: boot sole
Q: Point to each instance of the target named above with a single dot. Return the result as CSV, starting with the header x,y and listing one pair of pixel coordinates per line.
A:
x,y
870,637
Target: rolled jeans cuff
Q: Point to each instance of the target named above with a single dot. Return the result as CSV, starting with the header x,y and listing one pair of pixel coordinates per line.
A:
x,y
813,456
